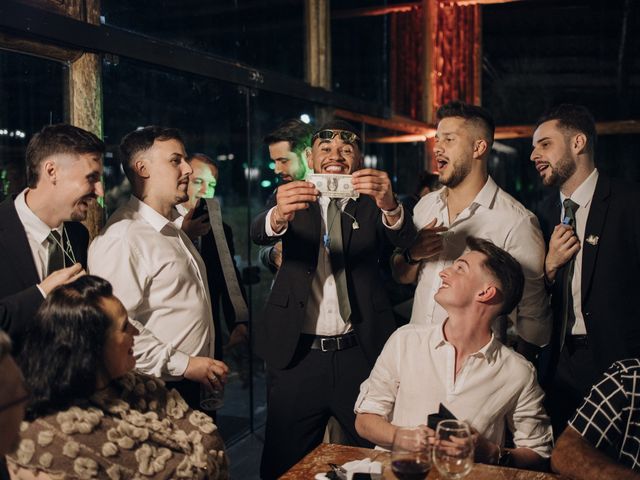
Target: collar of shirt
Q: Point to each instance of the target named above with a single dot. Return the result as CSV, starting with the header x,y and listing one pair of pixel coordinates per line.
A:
x,y
584,193
156,220
36,228
488,351
485,197
182,211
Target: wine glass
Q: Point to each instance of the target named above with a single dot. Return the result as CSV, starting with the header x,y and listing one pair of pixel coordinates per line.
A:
x,y
453,449
410,454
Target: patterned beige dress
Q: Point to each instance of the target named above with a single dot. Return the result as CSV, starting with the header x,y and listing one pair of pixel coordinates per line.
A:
x,y
135,429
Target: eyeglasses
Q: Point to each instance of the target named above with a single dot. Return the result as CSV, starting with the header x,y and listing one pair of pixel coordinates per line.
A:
x,y
345,136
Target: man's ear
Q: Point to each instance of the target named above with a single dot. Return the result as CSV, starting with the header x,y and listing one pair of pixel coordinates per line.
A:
x,y
489,295
306,155
49,171
579,143
140,167
480,147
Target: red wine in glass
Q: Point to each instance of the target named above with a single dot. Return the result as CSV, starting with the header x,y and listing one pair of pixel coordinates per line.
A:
x,y
410,469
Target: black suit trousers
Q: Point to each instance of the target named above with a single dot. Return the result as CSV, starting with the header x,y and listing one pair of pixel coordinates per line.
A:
x,y
302,397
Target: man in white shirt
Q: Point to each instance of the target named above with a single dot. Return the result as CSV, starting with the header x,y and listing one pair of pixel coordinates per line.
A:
x,y
155,269
592,225
472,204
327,316
461,365
42,241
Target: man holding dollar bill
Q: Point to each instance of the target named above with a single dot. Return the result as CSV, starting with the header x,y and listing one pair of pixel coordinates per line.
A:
x,y
328,316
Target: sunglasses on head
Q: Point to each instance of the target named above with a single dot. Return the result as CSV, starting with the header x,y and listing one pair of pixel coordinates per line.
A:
x,y
345,136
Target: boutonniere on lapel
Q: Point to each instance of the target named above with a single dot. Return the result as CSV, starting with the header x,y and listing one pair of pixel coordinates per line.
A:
x,y
592,240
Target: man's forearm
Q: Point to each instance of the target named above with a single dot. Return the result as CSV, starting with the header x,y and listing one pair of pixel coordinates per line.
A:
x,y
528,459
403,272
375,429
575,458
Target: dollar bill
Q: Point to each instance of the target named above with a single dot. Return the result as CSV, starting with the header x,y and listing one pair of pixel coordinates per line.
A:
x,y
333,185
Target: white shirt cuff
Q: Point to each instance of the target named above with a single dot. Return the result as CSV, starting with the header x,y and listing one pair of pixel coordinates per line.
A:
x,y
399,222
267,225
177,364
44,295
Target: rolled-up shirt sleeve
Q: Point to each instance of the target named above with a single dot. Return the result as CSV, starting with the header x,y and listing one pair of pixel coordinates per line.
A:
x,y
116,260
533,315
529,422
378,392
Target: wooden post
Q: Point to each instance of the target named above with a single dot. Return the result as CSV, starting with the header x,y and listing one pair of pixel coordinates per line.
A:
x,y
318,47
85,96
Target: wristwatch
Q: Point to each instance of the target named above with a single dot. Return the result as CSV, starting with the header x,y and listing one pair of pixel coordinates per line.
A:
x,y
406,254
504,457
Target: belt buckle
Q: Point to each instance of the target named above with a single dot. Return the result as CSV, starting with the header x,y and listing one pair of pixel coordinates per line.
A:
x,y
322,344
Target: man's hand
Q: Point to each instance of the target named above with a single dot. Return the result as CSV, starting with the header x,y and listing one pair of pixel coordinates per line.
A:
x,y
428,243
563,245
377,185
275,255
240,334
413,444
195,227
485,450
207,371
61,277
290,198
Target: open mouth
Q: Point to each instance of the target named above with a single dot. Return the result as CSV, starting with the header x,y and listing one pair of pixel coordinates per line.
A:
x,y
442,163
541,167
335,168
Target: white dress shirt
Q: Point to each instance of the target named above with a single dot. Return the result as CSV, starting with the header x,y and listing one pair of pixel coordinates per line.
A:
x,y
37,235
582,196
496,216
494,389
161,279
322,316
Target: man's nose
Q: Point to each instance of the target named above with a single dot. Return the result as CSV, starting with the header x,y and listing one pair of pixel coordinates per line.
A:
x,y
98,189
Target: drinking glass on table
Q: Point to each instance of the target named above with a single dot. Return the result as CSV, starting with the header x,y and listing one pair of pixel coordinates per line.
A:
x,y
410,454
453,449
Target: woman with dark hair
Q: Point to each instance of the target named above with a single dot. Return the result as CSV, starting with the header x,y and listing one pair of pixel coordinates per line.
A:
x,y
90,415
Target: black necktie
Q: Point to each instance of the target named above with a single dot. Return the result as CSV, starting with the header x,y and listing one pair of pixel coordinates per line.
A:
x,y
56,255
568,316
336,256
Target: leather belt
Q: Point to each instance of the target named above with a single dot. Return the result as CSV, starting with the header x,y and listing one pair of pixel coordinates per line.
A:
x,y
333,343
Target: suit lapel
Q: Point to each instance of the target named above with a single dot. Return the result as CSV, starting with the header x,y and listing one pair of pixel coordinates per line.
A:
x,y
593,230
15,245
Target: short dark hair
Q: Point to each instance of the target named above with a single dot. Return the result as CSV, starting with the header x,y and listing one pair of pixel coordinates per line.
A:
x,y
203,158
504,268
58,139
471,113
63,352
140,140
294,131
574,118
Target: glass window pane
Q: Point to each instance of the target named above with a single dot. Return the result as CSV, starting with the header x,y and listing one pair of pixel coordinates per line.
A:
x,y
267,35
359,51
32,93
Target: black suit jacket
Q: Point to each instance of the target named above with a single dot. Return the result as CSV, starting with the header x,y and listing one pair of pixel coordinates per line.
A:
x,y
217,284
278,330
610,280
19,296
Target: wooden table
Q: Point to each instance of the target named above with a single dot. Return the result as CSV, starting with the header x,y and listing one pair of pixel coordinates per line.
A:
x,y
317,462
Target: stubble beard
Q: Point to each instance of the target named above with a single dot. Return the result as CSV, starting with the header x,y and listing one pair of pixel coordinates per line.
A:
x,y
562,172
457,176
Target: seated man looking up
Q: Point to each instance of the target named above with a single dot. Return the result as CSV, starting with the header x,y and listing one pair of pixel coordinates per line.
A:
x,y
461,365
603,438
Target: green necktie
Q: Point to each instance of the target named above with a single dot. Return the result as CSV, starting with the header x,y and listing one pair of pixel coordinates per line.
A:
x,y
568,316
336,256
56,255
